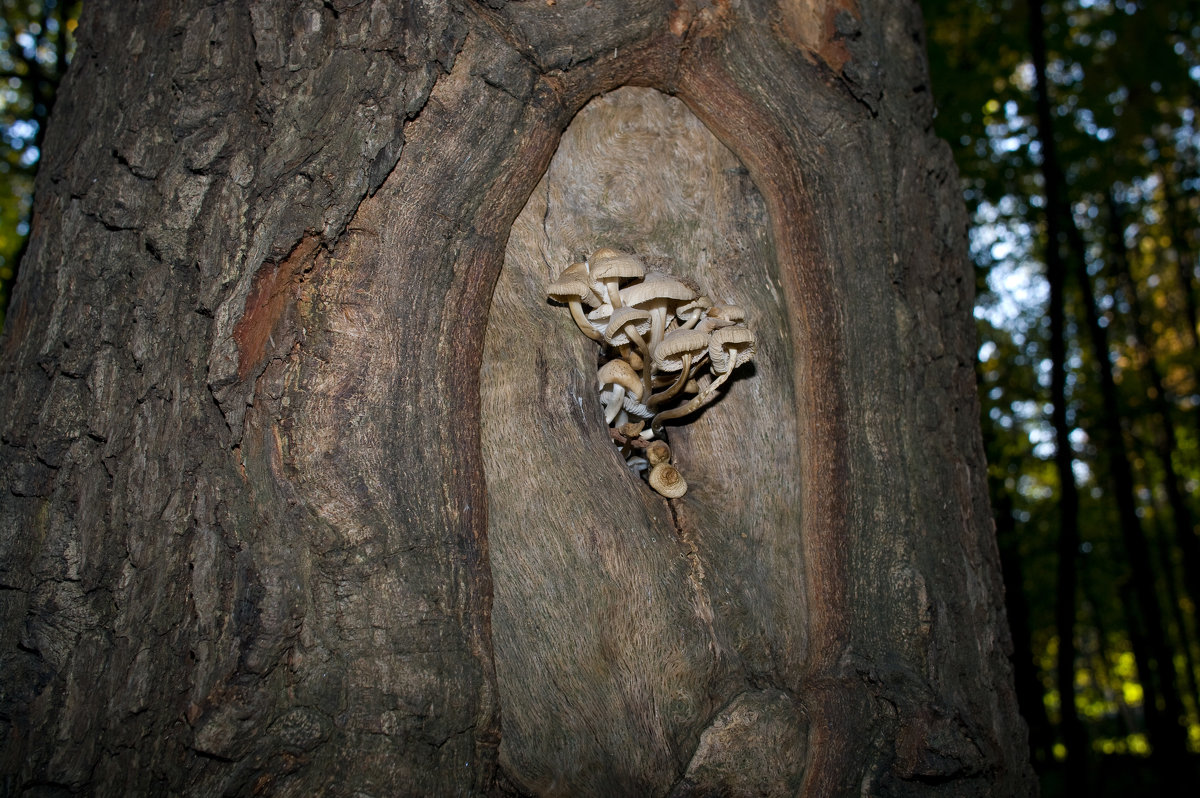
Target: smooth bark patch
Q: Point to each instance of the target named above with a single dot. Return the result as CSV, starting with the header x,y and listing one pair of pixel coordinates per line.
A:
x,y
621,620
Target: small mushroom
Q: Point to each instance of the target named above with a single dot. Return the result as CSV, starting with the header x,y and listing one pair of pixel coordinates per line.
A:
x,y
657,293
626,326
632,429
638,464
598,319
728,348
610,267
679,350
634,407
574,291
667,481
658,452
617,380
721,315
691,312
580,269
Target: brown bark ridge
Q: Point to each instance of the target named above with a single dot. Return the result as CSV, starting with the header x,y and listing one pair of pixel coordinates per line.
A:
x,y
255,377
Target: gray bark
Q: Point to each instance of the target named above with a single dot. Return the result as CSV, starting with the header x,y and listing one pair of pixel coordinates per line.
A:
x,y
283,512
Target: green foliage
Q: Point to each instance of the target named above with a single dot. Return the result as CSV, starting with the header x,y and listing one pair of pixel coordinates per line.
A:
x,y
36,44
1123,79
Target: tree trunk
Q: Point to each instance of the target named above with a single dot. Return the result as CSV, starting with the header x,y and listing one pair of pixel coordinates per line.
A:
x,y
1026,678
256,372
1067,577
1166,444
1165,724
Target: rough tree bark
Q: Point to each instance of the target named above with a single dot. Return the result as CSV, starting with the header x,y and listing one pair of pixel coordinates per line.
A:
x,y
255,377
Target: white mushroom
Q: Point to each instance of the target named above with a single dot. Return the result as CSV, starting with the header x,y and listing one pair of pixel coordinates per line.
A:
x,y
656,294
610,267
627,326
691,312
658,452
617,380
678,351
574,290
721,315
728,348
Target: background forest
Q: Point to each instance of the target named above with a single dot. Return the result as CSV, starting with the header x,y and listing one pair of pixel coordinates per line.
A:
x,y
1074,126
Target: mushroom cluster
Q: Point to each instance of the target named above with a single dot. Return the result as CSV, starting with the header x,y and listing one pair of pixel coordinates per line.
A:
x,y
666,350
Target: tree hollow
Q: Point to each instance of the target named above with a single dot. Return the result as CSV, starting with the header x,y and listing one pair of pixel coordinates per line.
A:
x,y
691,601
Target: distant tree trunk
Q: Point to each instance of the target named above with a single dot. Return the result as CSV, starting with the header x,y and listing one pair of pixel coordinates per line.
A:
x,y
286,512
1177,214
1166,444
1030,691
1067,582
1164,724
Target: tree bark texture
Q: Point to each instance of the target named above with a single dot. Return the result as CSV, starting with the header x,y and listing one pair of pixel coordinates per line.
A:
x,y
308,487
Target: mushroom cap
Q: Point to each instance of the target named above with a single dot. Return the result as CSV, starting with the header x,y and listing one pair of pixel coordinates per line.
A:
x,y
668,355
599,317
572,288
631,429
577,269
618,372
726,338
580,269
655,287
609,264
658,452
721,315
665,479
615,333
711,323
727,312
700,304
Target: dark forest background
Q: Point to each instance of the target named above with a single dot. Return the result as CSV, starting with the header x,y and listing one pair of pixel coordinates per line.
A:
x,y
1074,126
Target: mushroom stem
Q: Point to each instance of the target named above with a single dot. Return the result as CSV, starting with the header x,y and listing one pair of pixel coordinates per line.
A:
x,y
658,326
696,402
699,400
647,362
724,375
630,329
615,404
581,321
659,398
614,292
